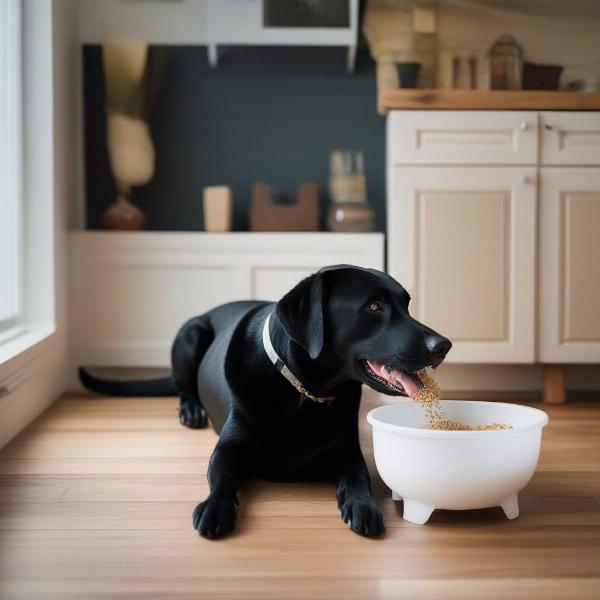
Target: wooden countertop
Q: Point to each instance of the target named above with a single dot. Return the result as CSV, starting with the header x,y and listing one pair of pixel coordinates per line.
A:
x,y
488,100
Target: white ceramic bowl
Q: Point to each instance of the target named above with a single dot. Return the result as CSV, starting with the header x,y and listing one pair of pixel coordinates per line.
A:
x,y
456,470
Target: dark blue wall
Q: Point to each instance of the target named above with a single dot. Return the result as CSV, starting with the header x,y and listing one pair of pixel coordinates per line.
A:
x,y
265,114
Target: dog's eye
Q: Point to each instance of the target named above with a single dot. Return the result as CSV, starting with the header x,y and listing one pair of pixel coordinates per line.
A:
x,y
375,306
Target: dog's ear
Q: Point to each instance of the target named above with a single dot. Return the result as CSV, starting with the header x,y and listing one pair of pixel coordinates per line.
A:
x,y
300,312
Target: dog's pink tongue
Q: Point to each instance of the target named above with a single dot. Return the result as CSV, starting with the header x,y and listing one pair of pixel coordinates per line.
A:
x,y
411,387
393,376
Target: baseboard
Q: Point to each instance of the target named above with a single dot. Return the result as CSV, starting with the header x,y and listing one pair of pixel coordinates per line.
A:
x,y
468,393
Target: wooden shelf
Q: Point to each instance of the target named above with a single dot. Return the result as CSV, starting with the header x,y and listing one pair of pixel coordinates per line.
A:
x,y
488,100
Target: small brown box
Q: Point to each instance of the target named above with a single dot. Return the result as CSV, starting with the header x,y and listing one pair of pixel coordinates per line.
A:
x,y
541,77
302,215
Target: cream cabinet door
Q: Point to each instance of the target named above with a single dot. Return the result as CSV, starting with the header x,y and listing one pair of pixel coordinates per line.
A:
x,y
569,318
462,241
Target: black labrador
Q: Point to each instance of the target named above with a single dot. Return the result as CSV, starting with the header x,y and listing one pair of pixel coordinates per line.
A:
x,y
281,384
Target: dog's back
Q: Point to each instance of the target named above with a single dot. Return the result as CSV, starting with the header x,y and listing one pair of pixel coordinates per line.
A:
x,y
227,322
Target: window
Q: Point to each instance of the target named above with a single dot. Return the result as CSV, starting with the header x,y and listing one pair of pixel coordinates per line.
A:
x,y
27,200
11,188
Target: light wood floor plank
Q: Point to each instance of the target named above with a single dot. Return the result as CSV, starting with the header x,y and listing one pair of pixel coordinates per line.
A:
x,y
96,500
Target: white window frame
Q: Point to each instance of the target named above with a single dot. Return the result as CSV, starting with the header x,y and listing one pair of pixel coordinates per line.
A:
x,y
11,176
36,321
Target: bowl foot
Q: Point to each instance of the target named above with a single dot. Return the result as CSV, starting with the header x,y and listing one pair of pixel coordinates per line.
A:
x,y
511,507
396,497
417,512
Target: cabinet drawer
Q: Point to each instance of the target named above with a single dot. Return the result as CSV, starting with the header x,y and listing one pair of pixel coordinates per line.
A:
x,y
570,138
456,137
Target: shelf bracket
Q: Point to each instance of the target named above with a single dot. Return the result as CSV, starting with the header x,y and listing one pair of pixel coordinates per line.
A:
x,y
213,55
351,58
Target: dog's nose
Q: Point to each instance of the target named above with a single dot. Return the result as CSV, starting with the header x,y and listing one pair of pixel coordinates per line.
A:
x,y
438,346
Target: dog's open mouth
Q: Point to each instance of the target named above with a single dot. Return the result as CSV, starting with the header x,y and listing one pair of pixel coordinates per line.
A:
x,y
407,384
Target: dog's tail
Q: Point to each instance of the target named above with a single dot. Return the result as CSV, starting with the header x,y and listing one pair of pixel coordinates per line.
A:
x,y
163,386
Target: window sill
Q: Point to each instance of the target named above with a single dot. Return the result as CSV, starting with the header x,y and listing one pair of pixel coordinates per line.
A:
x,y
22,346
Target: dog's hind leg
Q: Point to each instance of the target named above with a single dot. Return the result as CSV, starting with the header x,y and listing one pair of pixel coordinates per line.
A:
x,y
190,345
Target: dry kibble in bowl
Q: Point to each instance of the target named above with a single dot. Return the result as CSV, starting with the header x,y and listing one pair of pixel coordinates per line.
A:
x,y
429,398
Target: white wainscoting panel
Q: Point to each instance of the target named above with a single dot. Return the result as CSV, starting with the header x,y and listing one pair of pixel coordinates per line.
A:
x,y
130,292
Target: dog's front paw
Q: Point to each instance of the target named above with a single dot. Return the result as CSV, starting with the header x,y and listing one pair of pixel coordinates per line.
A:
x,y
193,415
214,517
363,516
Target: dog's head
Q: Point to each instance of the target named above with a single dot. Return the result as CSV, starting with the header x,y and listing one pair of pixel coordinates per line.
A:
x,y
357,320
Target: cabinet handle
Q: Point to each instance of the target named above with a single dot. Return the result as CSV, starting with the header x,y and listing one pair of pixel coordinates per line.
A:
x,y
548,126
524,126
526,180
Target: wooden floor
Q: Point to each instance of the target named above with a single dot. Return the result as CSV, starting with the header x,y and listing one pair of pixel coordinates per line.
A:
x,y
96,500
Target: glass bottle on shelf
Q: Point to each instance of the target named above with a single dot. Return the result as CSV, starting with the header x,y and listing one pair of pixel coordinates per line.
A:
x,y
348,210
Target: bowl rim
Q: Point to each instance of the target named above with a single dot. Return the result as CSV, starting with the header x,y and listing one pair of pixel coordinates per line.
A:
x,y
376,423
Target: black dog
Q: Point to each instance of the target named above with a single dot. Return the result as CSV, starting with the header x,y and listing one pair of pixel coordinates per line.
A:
x,y
281,384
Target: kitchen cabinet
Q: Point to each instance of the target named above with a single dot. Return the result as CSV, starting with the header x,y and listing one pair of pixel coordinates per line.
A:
x,y
494,228
254,22
211,23
463,242
569,299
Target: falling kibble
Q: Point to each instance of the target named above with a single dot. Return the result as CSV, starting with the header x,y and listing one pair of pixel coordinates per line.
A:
x,y
429,398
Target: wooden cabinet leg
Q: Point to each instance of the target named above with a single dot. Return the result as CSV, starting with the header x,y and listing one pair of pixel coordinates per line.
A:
x,y
554,385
